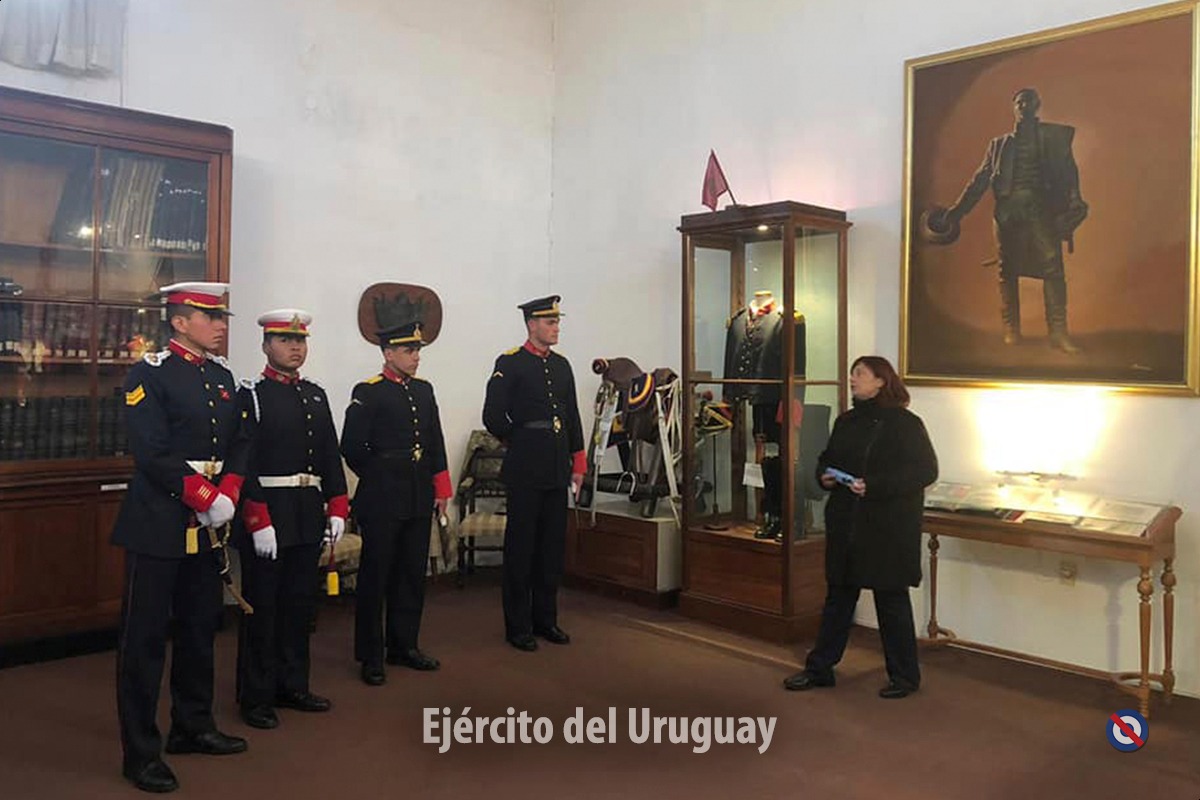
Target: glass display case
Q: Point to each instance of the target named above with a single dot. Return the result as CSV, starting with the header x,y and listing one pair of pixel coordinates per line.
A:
x,y
99,207
1040,511
764,347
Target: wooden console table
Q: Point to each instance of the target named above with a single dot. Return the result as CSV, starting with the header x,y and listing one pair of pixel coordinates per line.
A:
x,y
1155,543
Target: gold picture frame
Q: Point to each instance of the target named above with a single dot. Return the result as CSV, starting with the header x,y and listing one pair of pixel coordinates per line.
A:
x,y
1086,271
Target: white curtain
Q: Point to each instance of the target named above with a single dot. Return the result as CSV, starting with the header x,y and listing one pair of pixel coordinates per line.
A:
x,y
75,36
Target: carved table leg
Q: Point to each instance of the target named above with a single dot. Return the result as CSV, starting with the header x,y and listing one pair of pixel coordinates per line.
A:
x,y
1145,590
1168,582
933,628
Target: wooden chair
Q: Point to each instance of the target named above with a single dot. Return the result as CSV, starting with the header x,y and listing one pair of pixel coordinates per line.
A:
x,y
480,479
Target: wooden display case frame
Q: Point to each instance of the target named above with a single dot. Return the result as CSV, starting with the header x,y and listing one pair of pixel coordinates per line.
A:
x,y
772,590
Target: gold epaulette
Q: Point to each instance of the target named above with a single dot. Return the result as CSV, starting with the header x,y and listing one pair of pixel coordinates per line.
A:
x,y
512,351
374,379
799,317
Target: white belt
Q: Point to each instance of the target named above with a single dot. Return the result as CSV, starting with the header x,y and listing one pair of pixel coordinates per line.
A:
x,y
208,469
288,481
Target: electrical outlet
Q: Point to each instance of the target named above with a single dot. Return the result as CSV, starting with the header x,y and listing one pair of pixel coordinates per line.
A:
x,y
1067,570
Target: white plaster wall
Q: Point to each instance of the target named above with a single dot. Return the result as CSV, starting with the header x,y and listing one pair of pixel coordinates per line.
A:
x,y
374,140
803,100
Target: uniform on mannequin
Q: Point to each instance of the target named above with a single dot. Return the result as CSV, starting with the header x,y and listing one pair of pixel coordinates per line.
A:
x,y
754,350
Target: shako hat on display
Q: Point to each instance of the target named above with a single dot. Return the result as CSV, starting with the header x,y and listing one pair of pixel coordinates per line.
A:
x,y
406,335
384,306
286,322
542,307
204,295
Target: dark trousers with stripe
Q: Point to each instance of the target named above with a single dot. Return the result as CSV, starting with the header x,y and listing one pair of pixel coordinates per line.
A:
x,y
273,655
156,590
893,608
535,533
391,578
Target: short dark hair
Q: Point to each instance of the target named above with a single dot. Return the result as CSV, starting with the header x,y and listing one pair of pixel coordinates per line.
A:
x,y
176,310
893,393
184,310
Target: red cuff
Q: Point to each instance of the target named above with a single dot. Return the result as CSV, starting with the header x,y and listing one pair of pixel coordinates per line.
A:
x,y
338,506
797,413
255,515
579,463
231,487
441,485
198,493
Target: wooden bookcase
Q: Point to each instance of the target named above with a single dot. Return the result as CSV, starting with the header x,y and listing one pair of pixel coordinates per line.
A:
x,y
99,206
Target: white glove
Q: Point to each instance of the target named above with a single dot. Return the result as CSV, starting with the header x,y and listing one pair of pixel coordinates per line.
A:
x,y
220,512
265,545
334,528
204,519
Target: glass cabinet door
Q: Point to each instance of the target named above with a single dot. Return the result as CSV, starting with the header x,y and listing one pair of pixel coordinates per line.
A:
x,y
46,220
759,423
153,223
88,235
817,383
737,381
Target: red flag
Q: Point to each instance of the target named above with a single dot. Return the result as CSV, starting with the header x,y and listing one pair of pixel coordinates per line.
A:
x,y
714,182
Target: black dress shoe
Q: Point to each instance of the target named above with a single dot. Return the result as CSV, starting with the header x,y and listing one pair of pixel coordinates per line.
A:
x,y
895,691
804,680
303,701
554,635
413,659
210,743
261,717
767,529
373,674
524,642
153,776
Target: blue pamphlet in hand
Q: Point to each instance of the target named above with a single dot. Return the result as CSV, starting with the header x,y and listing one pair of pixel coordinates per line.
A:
x,y
844,478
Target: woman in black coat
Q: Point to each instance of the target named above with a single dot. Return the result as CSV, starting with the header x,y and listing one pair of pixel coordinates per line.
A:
x,y
873,525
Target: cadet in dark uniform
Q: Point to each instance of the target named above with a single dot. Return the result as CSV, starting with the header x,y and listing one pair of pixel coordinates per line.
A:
x,y
531,406
392,439
295,498
189,450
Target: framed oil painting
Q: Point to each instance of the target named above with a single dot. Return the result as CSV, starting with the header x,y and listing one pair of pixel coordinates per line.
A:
x,y
1049,215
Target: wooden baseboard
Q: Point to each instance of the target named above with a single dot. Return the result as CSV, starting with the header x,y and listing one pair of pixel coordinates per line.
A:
x,y
52,648
750,621
638,595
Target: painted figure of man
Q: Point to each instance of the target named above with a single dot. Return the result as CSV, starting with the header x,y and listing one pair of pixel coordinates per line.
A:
x,y
1035,183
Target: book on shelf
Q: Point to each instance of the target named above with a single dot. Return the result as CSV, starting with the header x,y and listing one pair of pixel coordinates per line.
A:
x,y
11,316
7,406
42,428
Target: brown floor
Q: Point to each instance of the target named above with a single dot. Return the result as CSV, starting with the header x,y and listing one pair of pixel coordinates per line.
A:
x,y
980,727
